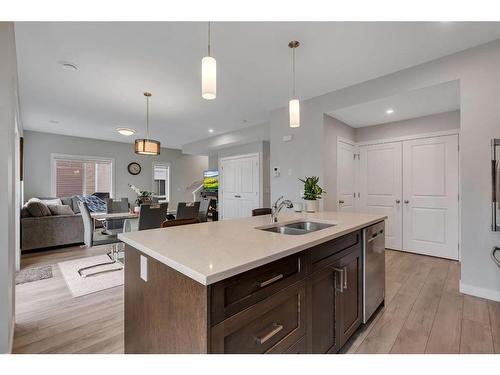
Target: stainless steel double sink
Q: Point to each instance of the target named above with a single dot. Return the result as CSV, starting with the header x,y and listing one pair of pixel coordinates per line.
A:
x,y
297,228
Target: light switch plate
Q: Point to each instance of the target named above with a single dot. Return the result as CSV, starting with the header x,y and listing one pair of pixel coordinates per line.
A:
x,y
144,268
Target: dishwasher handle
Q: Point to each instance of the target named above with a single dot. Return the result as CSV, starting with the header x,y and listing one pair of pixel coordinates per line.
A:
x,y
376,235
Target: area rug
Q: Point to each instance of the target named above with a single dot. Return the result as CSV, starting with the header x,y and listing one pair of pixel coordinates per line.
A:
x,y
33,274
80,286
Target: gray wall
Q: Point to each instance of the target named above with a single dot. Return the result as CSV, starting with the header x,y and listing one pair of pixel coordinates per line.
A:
x,y
260,147
333,129
479,75
184,169
8,182
420,125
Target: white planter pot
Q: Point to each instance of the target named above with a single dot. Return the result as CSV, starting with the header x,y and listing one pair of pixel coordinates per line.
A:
x,y
312,206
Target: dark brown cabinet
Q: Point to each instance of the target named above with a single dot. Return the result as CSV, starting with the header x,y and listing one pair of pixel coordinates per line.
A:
x,y
349,295
334,294
308,302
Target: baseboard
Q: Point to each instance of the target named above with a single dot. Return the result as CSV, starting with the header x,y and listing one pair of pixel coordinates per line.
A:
x,y
476,291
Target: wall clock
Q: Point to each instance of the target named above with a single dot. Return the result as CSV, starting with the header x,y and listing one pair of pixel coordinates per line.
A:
x,y
134,168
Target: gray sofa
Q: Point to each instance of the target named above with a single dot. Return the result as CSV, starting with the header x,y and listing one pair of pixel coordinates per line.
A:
x,y
48,231
55,230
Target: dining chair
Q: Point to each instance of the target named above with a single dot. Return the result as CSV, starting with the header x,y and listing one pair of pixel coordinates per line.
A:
x,y
204,207
115,206
151,216
176,222
93,238
261,211
188,210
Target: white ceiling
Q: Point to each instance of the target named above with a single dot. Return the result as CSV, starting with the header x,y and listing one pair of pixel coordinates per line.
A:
x,y
411,104
118,61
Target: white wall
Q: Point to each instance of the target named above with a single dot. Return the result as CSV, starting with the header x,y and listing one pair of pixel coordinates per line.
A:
x,y
8,183
184,169
333,129
420,125
263,149
479,75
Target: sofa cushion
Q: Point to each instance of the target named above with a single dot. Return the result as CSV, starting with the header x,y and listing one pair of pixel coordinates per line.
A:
x,y
60,209
74,204
37,209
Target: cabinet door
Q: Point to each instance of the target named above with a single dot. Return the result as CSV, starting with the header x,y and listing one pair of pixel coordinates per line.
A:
x,y
322,336
349,294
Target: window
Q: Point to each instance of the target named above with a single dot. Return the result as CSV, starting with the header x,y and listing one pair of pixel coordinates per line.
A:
x,y
79,175
161,180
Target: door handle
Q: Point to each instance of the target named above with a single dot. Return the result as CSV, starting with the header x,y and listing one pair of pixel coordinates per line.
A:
x,y
237,196
398,201
341,272
407,201
341,202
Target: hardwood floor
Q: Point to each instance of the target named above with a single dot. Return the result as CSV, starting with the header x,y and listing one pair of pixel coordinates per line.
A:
x,y
424,312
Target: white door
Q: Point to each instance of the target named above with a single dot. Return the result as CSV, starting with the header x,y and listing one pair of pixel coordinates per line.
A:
x,y
345,176
240,186
430,212
380,187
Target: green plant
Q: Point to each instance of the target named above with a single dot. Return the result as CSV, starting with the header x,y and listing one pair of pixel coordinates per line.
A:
x,y
312,190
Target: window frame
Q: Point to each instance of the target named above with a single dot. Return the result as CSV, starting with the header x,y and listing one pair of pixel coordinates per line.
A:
x,y
168,190
82,158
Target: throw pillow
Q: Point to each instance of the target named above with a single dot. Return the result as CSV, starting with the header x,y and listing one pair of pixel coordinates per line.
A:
x,y
60,209
52,202
38,209
25,212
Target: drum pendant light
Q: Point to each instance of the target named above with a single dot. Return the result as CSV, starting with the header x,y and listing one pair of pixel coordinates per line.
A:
x,y
147,146
209,73
293,104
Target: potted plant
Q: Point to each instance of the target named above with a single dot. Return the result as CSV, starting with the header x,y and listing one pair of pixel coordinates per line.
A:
x,y
143,196
312,193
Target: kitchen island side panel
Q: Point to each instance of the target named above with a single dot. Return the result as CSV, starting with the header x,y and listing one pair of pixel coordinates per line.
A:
x,y
168,313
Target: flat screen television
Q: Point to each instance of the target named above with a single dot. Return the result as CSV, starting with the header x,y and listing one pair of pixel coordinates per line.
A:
x,y
211,180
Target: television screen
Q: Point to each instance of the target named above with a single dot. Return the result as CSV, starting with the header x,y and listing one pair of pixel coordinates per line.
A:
x,y
211,180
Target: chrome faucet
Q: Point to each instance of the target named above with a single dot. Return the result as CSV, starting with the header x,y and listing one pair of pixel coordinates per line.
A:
x,y
278,206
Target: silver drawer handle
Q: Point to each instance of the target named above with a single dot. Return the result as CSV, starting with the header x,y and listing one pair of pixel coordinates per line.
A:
x,y
276,328
341,271
262,284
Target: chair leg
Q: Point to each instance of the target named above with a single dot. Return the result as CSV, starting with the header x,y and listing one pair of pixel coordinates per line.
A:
x,y
113,255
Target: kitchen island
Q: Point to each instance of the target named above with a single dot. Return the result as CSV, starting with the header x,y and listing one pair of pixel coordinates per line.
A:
x,y
245,286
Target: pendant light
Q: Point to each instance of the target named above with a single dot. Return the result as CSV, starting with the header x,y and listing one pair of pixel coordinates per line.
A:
x,y
147,146
208,74
293,104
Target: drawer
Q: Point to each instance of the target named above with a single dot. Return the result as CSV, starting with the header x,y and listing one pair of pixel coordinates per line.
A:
x,y
271,326
324,254
299,347
235,294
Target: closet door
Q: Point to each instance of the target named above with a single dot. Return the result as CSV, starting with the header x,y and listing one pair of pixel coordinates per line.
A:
x,y
346,168
430,209
381,187
240,186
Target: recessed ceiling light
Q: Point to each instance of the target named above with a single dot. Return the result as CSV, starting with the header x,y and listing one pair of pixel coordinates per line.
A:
x,y
68,66
389,111
125,131
210,130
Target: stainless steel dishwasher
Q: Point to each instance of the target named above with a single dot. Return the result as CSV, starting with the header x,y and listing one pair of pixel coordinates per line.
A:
x,y
373,269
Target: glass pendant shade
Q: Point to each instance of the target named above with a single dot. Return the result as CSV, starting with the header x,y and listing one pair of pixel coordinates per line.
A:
x,y
208,78
294,109
147,147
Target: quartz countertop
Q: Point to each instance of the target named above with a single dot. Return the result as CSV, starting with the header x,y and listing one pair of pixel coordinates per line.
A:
x,y
213,251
